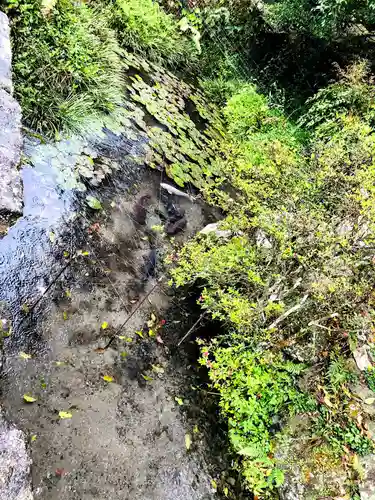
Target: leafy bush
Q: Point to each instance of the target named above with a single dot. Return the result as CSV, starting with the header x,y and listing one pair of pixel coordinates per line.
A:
x,y
144,27
66,63
323,19
293,279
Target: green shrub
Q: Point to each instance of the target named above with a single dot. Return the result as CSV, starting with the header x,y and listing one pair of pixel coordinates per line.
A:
x,y
144,27
66,63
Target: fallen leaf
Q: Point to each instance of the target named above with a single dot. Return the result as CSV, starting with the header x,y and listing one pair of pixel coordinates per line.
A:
x,y
104,325
225,491
195,430
370,401
214,484
151,333
93,203
23,355
52,237
100,350
146,377
25,308
121,337
140,333
66,253
327,402
33,438
65,315
188,441
179,400
59,363
129,339
85,253
123,354
65,415
28,398
108,378
159,339
158,369
68,293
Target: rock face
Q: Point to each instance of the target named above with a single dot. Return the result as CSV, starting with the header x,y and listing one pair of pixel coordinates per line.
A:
x,y
366,488
14,464
10,130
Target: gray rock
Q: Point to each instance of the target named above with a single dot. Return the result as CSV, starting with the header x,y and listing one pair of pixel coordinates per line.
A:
x,y
10,154
5,55
214,228
361,357
14,465
366,487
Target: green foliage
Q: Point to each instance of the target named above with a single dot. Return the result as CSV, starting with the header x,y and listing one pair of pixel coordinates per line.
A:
x,y
323,19
144,27
254,389
294,276
66,63
370,378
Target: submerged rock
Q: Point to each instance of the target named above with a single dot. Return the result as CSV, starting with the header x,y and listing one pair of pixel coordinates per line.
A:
x,y
15,464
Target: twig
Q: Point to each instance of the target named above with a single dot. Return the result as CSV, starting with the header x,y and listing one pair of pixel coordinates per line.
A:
x,y
132,313
191,329
288,312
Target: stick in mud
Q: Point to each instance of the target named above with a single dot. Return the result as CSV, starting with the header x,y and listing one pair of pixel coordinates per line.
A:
x,y
191,329
132,313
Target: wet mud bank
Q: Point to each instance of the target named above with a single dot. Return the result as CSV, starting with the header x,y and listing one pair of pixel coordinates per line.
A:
x,y
94,334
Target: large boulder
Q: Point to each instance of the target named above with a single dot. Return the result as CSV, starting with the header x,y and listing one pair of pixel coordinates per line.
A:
x,y
10,130
5,55
14,464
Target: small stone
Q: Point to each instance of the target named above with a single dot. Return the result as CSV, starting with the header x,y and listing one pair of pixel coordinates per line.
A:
x,y
361,358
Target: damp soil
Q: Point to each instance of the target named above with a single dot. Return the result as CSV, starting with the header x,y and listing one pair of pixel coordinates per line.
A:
x,y
126,439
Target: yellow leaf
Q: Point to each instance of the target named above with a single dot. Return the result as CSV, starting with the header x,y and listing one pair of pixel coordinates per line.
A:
x,y
146,377
104,325
23,355
108,378
151,333
121,337
59,363
157,369
68,293
65,315
214,484
327,402
28,398
195,430
65,415
123,354
85,253
33,438
129,339
52,237
139,333
153,317
226,491
188,441
179,401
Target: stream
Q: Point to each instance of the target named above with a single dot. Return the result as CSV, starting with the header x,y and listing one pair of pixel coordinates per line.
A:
x,y
74,284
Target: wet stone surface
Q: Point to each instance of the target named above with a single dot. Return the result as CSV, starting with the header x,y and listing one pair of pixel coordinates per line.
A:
x,y
125,438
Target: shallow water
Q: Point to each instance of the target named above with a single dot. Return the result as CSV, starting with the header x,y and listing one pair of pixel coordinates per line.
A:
x,y
75,269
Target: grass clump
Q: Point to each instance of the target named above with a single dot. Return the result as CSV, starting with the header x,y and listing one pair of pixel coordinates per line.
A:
x,y
144,27
66,63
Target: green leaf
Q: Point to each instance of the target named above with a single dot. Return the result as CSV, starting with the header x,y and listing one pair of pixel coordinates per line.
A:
x,y
123,354
65,315
104,325
33,438
179,401
146,377
29,399
65,415
158,369
93,203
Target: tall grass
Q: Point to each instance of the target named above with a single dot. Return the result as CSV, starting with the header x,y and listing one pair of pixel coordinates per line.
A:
x,y
66,63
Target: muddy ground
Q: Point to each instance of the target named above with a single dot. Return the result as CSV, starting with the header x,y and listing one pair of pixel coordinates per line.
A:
x,y
126,438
